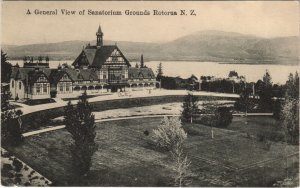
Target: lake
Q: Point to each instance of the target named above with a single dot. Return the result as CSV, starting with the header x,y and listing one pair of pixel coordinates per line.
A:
x,y
184,69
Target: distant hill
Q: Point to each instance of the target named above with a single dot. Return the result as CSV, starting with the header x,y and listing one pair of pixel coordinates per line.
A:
x,y
200,46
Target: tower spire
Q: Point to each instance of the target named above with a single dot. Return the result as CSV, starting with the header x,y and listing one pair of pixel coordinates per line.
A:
x,y
142,61
99,35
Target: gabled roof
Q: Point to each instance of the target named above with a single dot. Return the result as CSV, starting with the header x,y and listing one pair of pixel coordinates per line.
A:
x,y
136,73
34,75
96,57
56,75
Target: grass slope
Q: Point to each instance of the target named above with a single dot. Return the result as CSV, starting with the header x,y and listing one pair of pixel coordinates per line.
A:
x,y
125,158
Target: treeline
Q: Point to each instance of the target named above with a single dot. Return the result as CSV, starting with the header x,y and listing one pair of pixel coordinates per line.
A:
x,y
222,86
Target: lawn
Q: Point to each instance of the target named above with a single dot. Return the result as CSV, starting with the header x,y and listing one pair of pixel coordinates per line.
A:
x,y
125,158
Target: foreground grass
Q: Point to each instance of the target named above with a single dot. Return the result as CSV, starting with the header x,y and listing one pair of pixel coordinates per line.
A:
x,y
125,158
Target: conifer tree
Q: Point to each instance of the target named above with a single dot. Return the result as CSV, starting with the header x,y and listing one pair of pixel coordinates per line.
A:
x,y
80,122
244,103
159,71
265,94
10,124
190,107
5,68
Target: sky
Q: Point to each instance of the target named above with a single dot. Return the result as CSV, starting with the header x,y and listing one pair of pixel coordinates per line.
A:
x,y
265,19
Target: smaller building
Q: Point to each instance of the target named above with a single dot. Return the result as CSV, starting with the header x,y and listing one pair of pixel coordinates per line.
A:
x,y
30,81
140,78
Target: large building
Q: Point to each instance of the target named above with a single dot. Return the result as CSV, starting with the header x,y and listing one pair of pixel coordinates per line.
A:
x,y
112,67
97,69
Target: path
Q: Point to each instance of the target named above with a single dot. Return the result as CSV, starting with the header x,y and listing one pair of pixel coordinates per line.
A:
x,y
136,94
99,120
31,133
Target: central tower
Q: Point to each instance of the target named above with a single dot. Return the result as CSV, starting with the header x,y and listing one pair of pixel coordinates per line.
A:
x,y
99,35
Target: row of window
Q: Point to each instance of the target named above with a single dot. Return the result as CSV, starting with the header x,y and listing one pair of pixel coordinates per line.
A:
x,y
13,84
64,88
41,89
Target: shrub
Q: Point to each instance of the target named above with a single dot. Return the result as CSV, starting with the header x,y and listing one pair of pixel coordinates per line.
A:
x,y
277,109
169,134
207,119
146,132
223,117
18,165
53,94
276,136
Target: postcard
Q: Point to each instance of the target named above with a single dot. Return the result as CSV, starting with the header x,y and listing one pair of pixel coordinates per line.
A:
x,y
150,93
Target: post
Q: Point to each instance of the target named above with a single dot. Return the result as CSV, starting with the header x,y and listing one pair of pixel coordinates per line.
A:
x,y
200,85
160,84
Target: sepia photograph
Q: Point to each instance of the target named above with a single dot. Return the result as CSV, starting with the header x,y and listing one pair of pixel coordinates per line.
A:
x,y
150,93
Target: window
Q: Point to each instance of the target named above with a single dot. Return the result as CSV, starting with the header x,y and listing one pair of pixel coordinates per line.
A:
x,y
38,89
68,87
12,83
45,88
104,76
20,85
61,87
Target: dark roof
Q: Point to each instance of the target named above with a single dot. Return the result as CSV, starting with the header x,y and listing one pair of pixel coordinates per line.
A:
x,y
136,73
53,75
56,75
95,57
81,74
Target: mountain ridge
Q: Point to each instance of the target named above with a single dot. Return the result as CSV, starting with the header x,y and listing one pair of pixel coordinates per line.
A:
x,y
210,45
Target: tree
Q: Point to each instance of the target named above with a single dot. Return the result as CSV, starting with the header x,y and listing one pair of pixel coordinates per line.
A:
x,y
80,122
265,92
292,87
169,134
5,68
244,103
290,120
181,167
290,109
159,71
136,65
10,122
208,114
233,74
190,107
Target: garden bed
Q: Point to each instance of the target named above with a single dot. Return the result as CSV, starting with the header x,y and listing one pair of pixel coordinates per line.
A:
x,y
32,102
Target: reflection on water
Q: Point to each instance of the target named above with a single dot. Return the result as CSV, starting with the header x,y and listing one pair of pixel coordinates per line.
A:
x,y
279,73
